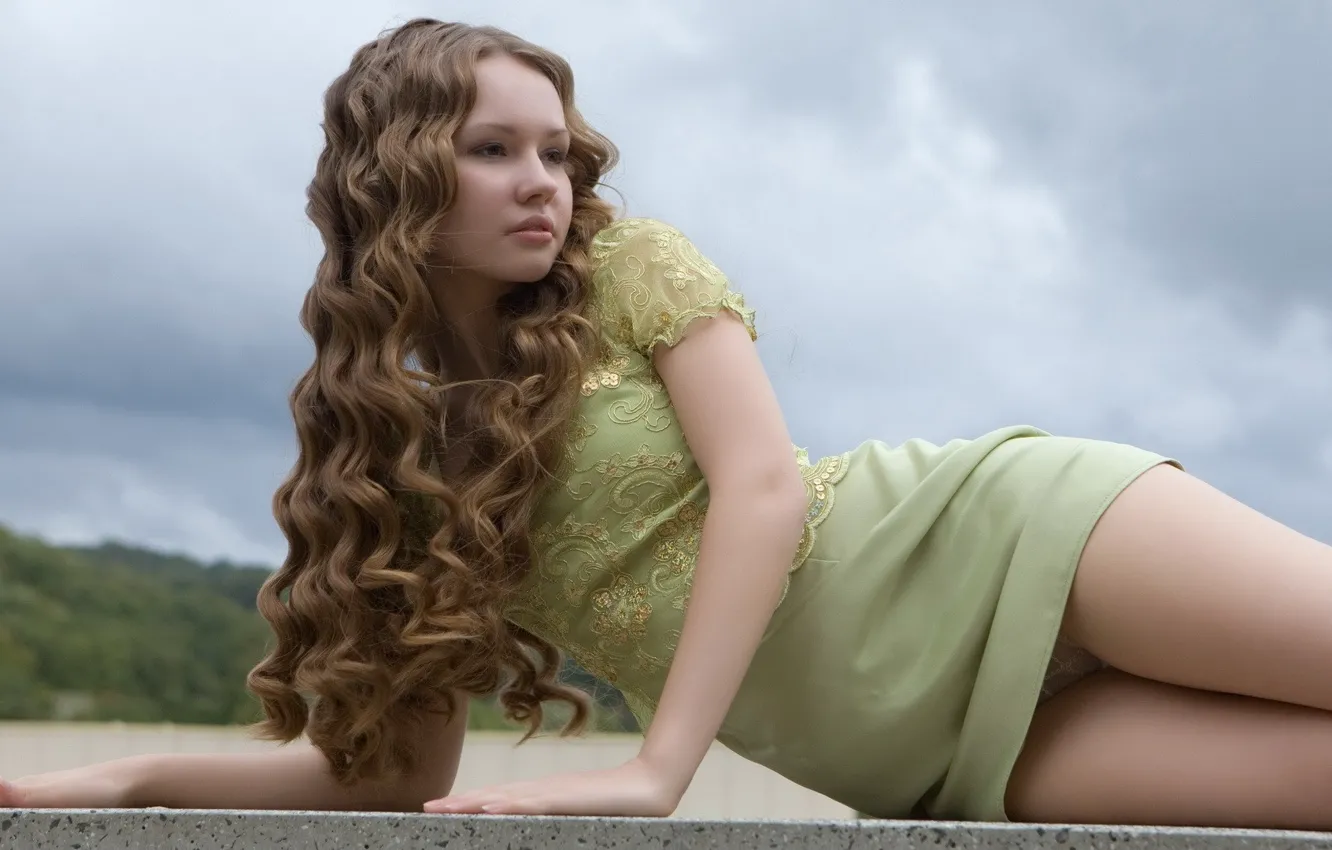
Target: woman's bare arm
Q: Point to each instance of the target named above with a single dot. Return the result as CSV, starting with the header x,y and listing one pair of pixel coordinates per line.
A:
x,y
292,777
734,425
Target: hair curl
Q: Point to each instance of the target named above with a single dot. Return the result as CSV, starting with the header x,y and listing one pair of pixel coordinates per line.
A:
x,y
390,603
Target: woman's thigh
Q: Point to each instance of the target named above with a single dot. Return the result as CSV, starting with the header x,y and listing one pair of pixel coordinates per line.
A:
x,y
1119,749
1182,584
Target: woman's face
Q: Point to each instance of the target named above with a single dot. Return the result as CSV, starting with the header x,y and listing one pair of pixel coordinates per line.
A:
x,y
514,198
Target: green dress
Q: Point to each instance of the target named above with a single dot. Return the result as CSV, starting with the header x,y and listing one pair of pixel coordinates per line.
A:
x,y
901,670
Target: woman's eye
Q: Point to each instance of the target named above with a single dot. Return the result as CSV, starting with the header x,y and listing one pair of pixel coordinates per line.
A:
x,y
555,156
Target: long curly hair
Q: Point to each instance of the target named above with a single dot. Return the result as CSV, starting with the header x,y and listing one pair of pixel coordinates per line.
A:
x,y
390,603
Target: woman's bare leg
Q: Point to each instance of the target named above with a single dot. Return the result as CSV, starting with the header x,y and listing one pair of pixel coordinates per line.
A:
x,y
1117,749
1200,599
1182,584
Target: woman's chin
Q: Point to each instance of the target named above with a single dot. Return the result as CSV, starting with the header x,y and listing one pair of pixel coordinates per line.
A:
x,y
530,271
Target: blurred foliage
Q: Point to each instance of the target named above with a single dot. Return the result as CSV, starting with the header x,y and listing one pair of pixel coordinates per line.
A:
x,y
115,632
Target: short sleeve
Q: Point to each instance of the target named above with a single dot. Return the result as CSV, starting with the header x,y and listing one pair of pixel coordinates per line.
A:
x,y
652,282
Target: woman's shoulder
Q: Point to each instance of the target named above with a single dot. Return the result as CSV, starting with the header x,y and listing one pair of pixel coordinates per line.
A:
x,y
633,237
623,230
646,248
651,280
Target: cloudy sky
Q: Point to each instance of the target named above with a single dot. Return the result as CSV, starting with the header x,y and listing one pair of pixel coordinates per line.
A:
x,y
1104,219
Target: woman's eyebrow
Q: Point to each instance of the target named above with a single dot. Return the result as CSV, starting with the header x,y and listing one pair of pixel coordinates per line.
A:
x,y
500,127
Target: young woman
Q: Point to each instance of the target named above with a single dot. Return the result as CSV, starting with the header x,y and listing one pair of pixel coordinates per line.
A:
x,y
529,425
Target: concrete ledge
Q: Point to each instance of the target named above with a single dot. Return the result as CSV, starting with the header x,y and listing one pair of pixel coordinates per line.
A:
x,y
163,829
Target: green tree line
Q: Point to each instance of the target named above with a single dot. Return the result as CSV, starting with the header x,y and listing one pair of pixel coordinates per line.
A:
x,y
116,632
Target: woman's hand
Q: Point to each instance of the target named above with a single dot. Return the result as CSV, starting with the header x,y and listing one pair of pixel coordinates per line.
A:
x,y
93,787
635,789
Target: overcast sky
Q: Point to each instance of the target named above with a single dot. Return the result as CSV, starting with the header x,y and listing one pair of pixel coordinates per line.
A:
x,y
1105,219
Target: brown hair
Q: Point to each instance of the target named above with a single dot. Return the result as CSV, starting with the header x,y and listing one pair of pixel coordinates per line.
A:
x,y
393,592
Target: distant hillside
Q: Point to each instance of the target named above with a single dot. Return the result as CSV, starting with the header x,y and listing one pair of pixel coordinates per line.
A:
x,y
93,635
238,583
115,632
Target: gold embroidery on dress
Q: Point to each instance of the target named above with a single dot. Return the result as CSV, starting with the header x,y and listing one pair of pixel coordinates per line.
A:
x,y
701,289
676,554
578,435
820,480
606,374
621,611
617,545
643,487
572,555
583,566
650,405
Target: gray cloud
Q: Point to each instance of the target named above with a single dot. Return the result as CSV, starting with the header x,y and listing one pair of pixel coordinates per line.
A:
x,y
94,324
1098,219
1192,130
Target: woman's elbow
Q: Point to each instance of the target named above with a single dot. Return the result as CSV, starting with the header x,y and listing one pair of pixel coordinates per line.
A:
x,y
775,491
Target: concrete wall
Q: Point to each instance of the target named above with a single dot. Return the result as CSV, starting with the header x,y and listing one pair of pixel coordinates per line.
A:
x,y
727,787
21,830
733,804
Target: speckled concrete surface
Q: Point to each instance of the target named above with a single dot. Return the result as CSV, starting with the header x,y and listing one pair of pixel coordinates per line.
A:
x,y
183,830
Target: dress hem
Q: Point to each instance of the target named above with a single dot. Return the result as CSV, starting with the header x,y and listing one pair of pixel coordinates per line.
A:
x,y
983,799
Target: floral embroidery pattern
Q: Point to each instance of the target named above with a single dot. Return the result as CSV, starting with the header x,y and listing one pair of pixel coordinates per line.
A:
x,y
657,282
819,480
607,374
617,544
621,610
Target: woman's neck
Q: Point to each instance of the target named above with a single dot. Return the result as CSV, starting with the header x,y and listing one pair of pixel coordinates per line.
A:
x,y
469,347
469,341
